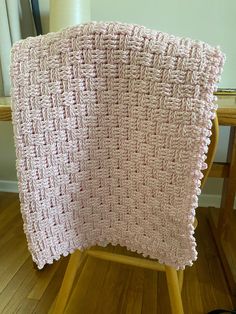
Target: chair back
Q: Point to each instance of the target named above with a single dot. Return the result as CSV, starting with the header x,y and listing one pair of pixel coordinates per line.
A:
x,y
211,149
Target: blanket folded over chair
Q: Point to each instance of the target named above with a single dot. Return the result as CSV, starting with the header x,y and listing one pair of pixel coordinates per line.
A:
x,y
112,124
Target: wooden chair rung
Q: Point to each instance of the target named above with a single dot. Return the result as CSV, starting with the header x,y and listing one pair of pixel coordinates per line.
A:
x,y
128,260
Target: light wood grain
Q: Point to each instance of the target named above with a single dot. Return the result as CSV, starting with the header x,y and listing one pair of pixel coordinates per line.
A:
x,y
209,270
219,170
67,284
227,116
43,281
229,187
211,150
174,291
5,109
129,260
226,244
180,278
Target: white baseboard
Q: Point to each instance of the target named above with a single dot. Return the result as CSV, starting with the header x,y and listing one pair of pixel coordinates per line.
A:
x,y
8,186
205,200
211,200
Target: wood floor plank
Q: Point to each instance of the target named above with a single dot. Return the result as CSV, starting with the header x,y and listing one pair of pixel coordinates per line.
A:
x,y
163,300
7,294
43,280
19,302
88,287
5,200
191,294
46,301
134,294
114,287
210,275
8,213
149,305
14,259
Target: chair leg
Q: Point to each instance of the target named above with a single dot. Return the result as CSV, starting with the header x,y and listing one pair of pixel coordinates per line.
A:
x,y
174,290
181,279
67,283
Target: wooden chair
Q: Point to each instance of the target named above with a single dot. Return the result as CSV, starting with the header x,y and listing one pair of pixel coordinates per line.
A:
x,y
174,277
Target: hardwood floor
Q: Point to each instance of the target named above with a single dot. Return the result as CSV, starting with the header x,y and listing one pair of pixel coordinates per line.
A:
x,y
102,287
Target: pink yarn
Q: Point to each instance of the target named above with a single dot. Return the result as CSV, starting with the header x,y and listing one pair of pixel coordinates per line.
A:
x,y
112,123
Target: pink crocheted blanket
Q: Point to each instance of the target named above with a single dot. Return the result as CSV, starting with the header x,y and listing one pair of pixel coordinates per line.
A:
x,y
112,123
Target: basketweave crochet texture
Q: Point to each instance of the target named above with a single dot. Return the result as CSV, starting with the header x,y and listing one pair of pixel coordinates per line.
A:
x,y
112,123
